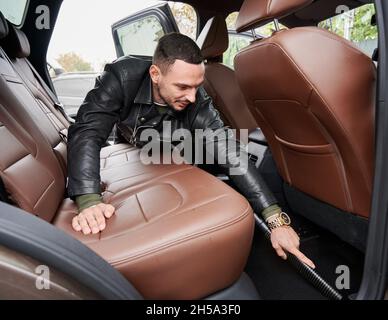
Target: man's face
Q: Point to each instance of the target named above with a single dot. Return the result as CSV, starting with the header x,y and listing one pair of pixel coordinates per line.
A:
x,y
178,85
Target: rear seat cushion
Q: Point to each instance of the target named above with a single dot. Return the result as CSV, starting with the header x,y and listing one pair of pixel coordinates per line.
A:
x,y
180,235
117,154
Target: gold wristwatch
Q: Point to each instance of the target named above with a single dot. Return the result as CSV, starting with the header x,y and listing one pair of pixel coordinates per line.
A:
x,y
279,220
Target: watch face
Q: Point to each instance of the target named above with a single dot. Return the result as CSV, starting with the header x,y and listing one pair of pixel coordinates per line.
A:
x,y
286,219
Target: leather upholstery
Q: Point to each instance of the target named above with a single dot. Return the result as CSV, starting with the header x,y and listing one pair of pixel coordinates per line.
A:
x,y
221,84
178,232
29,169
170,238
312,93
220,80
256,13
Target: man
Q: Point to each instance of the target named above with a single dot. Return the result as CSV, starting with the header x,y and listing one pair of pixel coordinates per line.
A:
x,y
134,94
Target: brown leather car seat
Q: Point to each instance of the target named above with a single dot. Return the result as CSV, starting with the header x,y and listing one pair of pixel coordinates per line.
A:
x,y
312,93
220,80
178,232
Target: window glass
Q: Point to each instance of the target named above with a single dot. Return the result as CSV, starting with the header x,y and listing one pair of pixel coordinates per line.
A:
x,y
185,17
14,10
141,36
356,26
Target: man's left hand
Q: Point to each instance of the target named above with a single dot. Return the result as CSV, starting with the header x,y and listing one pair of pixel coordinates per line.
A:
x,y
284,239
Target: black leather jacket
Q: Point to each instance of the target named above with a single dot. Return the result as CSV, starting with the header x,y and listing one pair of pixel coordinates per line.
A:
x,y
122,95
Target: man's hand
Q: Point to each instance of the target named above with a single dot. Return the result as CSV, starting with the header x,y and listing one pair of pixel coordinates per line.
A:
x,y
285,239
92,219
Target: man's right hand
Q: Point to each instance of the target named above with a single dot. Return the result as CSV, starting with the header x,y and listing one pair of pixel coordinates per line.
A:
x,y
92,219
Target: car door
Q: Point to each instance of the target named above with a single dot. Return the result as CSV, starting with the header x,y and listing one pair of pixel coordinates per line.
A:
x,y
138,34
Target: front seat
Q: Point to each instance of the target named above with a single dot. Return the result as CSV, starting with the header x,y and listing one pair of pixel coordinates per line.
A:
x,y
312,93
220,80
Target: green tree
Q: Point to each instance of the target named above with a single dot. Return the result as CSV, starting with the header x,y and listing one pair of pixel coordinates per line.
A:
x,y
362,27
358,21
71,62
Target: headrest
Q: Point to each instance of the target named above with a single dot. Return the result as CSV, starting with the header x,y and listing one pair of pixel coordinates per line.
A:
x,y
16,45
255,13
213,40
3,26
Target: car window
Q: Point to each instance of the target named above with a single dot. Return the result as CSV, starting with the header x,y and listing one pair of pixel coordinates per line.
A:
x,y
356,26
14,10
141,36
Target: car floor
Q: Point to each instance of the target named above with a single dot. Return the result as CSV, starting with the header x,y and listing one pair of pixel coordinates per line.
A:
x,y
276,279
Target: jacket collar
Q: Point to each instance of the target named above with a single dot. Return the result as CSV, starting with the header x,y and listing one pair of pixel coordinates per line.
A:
x,y
144,94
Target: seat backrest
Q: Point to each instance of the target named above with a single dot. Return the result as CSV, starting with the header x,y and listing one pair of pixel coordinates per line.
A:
x,y
29,168
17,47
312,93
220,80
54,125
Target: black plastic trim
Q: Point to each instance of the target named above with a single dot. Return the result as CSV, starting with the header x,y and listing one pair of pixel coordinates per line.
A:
x,y
242,289
347,226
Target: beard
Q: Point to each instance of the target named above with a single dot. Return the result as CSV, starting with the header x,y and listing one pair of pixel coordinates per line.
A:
x,y
169,102
161,96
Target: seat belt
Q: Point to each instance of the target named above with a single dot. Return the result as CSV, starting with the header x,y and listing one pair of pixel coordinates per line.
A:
x,y
57,104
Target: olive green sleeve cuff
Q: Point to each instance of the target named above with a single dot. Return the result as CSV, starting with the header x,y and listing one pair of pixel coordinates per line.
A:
x,y
87,200
270,211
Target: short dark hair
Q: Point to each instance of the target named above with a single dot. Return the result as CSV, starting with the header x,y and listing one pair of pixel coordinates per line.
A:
x,y
176,46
